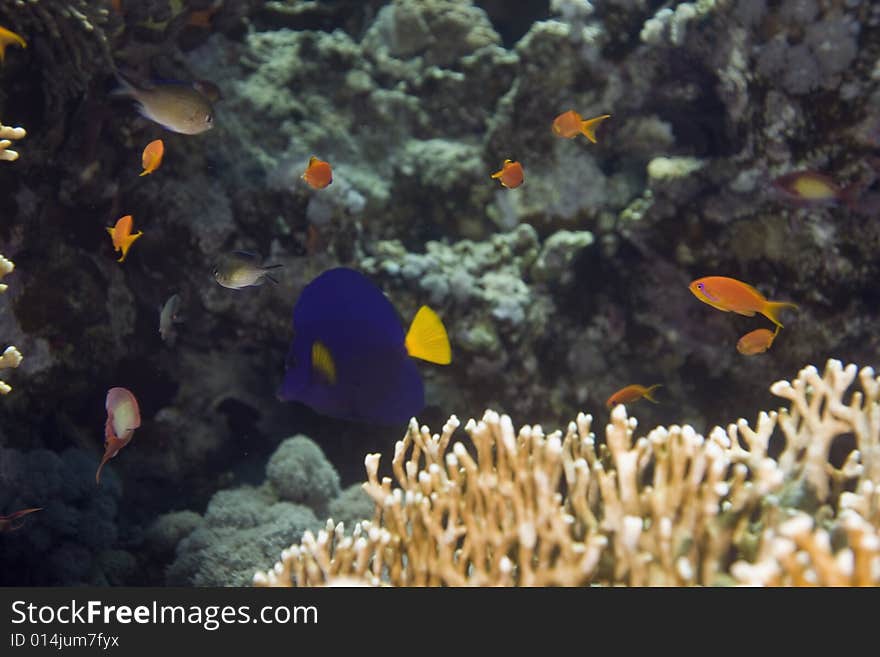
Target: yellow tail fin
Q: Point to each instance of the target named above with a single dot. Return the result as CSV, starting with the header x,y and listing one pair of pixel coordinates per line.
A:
x,y
649,393
427,338
322,362
588,127
772,308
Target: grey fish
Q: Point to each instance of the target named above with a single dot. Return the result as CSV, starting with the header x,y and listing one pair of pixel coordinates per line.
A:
x,y
240,269
177,106
168,317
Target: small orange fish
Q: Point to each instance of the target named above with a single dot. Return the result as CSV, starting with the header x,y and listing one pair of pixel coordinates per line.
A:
x,y
571,124
152,156
122,237
7,523
318,174
756,342
632,393
9,38
511,174
123,417
731,295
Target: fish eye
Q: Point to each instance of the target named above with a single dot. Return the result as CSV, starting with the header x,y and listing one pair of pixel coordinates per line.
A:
x,y
209,118
701,285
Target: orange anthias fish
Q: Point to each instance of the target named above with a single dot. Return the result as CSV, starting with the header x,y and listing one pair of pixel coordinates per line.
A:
x,y
318,174
123,417
8,38
511,174
152,156
756,342
731,295
632,393
571,124
122,237
8,524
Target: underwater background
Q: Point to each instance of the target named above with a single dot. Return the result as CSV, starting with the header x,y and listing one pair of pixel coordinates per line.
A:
x,y
555,294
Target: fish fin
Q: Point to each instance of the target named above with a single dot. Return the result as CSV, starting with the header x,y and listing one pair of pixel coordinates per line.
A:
x,y
274,280
649,393
588,127
497,174
125,88
272,266
246,255
427,338
772,309
323,363
747,313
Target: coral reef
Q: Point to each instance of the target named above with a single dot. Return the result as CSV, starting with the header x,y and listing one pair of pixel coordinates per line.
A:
x,y
248,524
792,501
7,134
11,357
75,534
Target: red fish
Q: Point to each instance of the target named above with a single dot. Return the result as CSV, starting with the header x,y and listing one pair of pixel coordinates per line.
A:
x,y
511,174
7,523
123,417
632,393
318,174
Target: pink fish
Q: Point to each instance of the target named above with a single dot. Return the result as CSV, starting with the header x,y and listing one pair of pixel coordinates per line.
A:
x,y
7,523
123,417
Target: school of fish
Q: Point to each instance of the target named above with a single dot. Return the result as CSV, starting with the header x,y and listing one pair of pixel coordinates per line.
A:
x,y
350,356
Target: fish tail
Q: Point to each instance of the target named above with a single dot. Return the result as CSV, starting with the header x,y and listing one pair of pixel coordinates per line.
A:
x,y
427,338
772,309
649,393
124,87
588,127
271,278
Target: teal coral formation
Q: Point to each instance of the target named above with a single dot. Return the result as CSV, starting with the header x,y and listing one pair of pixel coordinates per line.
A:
x,y
247,524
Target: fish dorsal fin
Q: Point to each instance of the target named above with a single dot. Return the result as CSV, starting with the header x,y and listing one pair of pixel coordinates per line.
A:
x,y
322,362
427,338
246,255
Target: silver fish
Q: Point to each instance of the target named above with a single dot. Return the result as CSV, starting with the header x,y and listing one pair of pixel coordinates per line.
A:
x,y
240,269
168,317
177,106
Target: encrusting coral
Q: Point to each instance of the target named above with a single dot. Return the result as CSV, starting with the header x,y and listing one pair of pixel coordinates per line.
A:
x,y
741,505
7,134
11,357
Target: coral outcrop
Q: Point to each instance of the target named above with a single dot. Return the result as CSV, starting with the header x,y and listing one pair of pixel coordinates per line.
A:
x,y
793,501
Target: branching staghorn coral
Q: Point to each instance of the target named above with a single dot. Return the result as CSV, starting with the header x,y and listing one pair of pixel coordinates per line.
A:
x,y
670,508
7,134
11,357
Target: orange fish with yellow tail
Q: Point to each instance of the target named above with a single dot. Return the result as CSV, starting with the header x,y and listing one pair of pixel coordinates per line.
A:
x,y
731,295
121,235
9,38
632,393
510,175
318,173
123,417
571,124
152,156
756,342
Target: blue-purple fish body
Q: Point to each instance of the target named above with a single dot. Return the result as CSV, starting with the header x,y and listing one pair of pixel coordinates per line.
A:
x,y
350,357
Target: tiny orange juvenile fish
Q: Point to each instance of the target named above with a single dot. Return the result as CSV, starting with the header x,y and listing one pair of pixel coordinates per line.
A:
x,y
632,393
123,417
9,38
122,237
731,295
756,342
318,174
152,156
511,174
571,124
7,523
